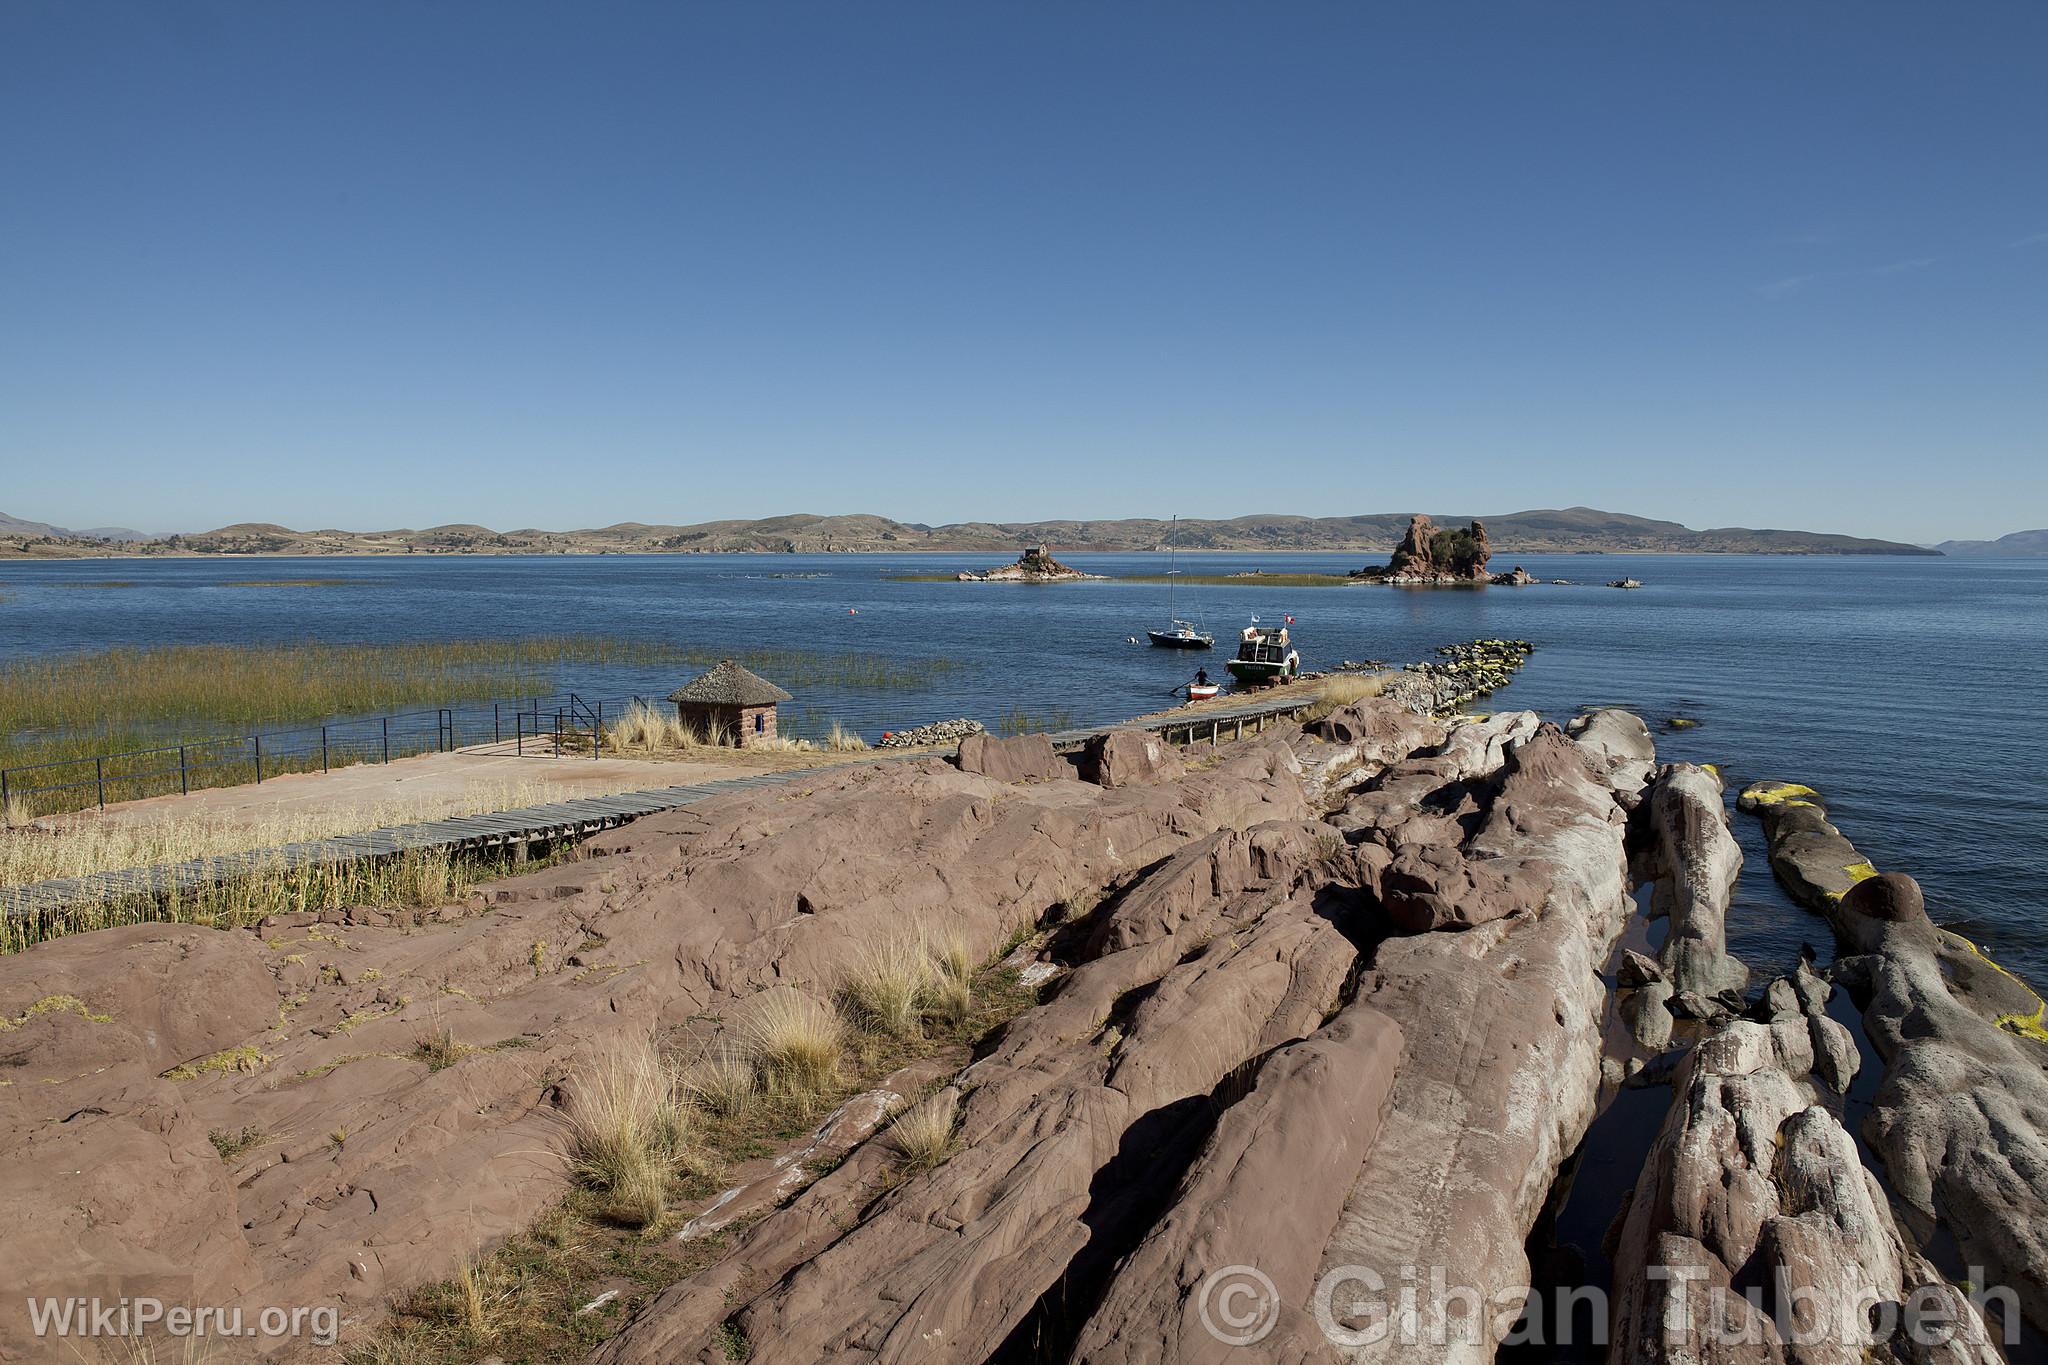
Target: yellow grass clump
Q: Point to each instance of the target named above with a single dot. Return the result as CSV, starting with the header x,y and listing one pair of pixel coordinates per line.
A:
x,y
923,1133
629,1130
1342,689
886,986
724,1081
796,1042
841,740
950,992
645,728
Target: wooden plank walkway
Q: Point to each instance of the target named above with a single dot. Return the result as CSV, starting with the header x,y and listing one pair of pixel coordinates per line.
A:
x,y
571,819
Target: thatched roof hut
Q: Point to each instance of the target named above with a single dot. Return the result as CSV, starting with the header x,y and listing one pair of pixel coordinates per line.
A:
x,y
729,705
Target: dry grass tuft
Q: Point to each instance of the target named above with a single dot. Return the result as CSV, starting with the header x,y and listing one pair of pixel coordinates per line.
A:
x,y
1342,689
797,1043
782,744
724,1082
232,1144
438,1049
950,993
482,1301
923,1133
629,1130
885,988
646,728
841,740
953,958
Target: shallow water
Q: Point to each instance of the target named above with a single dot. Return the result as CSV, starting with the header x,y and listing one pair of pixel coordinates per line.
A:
x,y
1898,687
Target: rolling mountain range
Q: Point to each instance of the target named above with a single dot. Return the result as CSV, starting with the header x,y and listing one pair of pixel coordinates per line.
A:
x,y
2018,543
1572,529
14,527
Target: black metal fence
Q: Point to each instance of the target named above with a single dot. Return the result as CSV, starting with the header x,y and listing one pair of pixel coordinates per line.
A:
x,y
563,724
530,725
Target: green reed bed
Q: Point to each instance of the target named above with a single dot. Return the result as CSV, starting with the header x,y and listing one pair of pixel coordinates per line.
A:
x,y
92,711
1018,721
253,685
1257,580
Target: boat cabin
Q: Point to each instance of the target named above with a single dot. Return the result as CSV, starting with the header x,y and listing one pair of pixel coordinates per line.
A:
x,y
1264,654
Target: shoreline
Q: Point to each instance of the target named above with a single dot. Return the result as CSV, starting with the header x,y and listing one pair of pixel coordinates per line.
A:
x,y
1499,552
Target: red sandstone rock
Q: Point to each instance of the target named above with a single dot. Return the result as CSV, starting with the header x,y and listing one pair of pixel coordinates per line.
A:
x,y
1014,759
1130,758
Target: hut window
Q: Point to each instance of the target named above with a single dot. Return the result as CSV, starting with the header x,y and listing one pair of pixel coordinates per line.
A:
x,y
758,722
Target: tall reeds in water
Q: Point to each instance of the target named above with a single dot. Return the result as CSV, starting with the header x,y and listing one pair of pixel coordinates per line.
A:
x,y
73,708
243,685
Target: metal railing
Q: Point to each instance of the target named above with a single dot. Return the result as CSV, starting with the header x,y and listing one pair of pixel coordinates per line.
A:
x,y
564,724
189,765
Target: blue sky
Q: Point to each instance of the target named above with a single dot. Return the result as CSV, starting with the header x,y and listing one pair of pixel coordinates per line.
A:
x,y
544,264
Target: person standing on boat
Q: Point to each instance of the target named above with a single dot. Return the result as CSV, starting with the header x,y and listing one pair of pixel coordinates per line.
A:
x,y
1201,677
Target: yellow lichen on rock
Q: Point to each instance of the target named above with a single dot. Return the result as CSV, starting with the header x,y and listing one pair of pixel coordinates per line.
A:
x,y
2035,1025
52,1004
1777,794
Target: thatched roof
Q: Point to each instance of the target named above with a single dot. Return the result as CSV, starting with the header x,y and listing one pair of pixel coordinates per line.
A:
x,y
730,685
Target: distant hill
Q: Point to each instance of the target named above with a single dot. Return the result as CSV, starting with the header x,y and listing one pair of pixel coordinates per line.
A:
x,y
2018,543
1570,529
14,529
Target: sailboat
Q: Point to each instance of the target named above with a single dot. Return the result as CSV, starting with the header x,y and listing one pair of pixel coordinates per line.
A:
x,y
1179,634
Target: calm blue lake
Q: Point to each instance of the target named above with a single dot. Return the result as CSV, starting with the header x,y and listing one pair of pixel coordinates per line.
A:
x,y
1899,687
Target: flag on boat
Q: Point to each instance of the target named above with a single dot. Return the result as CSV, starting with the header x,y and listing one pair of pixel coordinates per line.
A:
x,y
1290,620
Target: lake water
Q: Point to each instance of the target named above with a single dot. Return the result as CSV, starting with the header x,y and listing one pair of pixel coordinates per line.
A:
x,y
1904,689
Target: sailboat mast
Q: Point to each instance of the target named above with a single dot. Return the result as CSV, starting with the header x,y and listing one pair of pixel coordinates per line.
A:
x,y
1172,550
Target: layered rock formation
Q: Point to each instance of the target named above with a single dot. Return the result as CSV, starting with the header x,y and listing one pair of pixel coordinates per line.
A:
x,y
1428,555
126,1049
1755,1223
1694,861
1961,1113
1326,1003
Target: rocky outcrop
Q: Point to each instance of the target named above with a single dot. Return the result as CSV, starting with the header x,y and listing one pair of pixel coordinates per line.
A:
x,y
1517,577
1328,1001
1501,1062
1266,1190
1035,565
128,1048
1128,758
1961,1112
1754,1186
1695,861
1073,1132
1619,747
1813,859
1017,759
1429,556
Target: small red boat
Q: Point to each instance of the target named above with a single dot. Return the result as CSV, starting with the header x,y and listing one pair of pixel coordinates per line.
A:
x,y
1203,691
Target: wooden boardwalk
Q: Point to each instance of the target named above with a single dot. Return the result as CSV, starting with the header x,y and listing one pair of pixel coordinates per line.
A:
x,y
516,829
